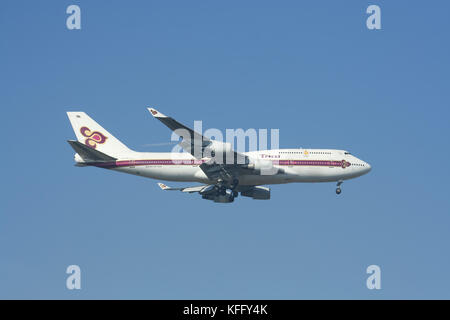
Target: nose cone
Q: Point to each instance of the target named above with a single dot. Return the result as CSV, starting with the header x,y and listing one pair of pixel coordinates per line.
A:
x,y
367,167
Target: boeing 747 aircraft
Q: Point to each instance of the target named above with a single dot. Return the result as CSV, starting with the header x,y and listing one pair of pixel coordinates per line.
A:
x,y
223,172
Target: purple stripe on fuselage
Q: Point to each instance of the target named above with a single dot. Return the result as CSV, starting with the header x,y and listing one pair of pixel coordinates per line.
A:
x,y
159,162
191,162
308,163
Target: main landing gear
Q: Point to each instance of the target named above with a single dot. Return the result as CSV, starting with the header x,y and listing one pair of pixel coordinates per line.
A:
x,y
338,185
233,186
222,188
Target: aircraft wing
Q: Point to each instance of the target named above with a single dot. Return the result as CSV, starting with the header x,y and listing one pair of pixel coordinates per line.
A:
x,y
233,164
220,194
193,142
187,189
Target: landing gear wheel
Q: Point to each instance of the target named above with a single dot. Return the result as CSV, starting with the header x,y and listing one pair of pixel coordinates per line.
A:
x,y
235,193
223,191
234,183
338,186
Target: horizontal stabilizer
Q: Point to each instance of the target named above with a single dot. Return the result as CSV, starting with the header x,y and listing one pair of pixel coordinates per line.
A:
x,y
164,187
188,189
88,154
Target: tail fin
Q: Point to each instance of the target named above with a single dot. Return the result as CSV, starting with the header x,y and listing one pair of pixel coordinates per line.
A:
x,y
92,134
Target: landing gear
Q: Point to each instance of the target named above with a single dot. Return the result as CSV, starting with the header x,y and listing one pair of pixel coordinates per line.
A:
x,y
222,187
223,191
338,185
233,187
234,184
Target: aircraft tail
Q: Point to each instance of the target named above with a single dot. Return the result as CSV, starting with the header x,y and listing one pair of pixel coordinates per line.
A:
x,y
88,154
94,136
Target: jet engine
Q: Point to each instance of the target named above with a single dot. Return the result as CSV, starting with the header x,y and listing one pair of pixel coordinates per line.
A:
x,y
257,193
225,198
220,198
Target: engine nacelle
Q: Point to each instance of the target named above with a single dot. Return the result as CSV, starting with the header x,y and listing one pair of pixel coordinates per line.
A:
x,y
210,193
226,198
257,193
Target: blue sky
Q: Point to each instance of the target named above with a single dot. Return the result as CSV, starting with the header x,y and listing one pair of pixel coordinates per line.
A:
x,y
309,68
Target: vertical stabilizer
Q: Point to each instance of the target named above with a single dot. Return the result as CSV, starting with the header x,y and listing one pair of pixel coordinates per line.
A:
x,y
94,136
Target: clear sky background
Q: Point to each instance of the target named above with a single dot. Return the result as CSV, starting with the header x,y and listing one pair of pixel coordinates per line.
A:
x,y
309,68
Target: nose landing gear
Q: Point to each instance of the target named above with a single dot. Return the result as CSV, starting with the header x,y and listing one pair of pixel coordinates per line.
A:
x,y
338,185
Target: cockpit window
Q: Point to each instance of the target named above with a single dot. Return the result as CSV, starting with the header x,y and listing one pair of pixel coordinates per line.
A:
x,y
347,153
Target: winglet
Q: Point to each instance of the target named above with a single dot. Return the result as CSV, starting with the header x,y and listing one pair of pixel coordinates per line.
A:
x,y
156,113
163,186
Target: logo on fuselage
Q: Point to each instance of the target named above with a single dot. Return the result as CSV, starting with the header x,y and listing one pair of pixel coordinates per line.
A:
x,y
93,137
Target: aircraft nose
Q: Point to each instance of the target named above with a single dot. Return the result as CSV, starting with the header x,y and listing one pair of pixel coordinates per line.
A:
x,y
368,167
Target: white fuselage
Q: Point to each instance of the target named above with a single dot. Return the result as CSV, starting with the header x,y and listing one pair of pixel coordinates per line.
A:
x,y
296,165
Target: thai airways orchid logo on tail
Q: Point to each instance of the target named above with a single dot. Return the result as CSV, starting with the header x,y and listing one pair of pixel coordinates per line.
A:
x,y
93,137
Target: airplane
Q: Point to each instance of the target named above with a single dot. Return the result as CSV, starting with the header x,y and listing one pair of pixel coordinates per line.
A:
x,y
222,172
